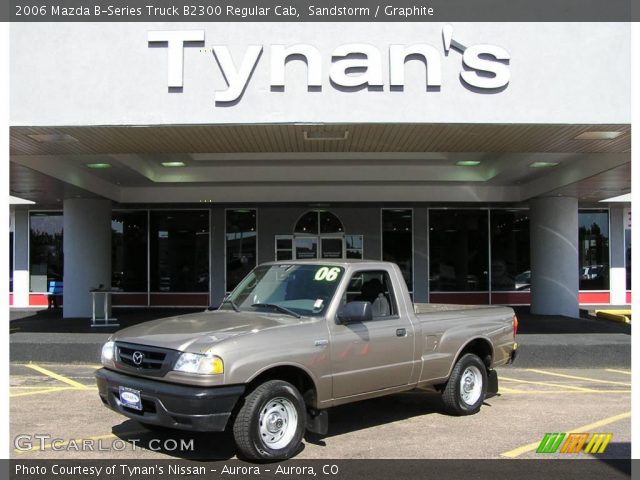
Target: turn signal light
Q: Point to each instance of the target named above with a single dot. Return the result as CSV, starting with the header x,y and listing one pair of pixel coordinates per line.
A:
x,y
515,326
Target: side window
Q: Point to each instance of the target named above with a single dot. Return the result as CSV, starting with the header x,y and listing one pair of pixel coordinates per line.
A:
x,y
373,286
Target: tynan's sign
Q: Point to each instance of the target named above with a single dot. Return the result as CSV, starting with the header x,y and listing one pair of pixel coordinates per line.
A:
x,y
353,65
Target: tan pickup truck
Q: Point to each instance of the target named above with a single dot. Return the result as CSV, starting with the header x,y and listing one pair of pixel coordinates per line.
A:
x,y
295,338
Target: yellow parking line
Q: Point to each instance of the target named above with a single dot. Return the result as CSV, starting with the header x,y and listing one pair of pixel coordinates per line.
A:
x,y
585,428
510,390
543,392
42,391
587,379
35,448
547,384
618,371
56,376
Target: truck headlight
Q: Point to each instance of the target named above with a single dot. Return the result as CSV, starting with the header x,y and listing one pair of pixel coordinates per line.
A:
x,y
106,357
203,364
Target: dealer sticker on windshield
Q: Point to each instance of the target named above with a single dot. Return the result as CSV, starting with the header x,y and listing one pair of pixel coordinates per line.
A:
x,y
327,274
130,398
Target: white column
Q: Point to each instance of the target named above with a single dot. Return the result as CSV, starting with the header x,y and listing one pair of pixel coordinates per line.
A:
x,y
87,253
617,272
20,257
554,256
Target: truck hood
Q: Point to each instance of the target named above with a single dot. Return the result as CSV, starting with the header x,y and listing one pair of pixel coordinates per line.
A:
x,y
197,332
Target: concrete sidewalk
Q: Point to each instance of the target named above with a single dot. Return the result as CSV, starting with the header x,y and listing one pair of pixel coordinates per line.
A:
x,y
545,341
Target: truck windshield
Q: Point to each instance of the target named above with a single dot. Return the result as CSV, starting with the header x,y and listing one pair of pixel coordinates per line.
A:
x,y
289,289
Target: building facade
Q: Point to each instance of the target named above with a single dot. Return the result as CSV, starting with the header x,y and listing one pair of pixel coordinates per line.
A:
x,y
167,160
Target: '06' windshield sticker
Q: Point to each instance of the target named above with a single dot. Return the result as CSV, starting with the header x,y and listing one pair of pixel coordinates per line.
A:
x,y
327,274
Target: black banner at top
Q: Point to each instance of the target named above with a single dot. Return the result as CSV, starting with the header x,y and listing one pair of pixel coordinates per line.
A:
x,y
318,11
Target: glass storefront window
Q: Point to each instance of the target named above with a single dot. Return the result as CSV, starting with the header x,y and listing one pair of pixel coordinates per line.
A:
x,y
354,246
284,247
397,240
593,249
241,233
459,245
307,224
45,249
129,251
179,251
510,265
627,255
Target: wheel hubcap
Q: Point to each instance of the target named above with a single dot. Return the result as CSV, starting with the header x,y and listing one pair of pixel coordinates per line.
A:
x,y
278,423
471,385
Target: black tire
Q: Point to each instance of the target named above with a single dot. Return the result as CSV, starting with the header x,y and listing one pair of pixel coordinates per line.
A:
x,y
250,436
452,395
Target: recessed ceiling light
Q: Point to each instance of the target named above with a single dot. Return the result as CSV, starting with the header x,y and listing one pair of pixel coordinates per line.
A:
x,y
52,138
99,166
468,163
173,164
598,135
543,164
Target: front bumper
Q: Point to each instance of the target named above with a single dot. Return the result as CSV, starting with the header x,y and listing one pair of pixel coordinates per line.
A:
x,y
170,405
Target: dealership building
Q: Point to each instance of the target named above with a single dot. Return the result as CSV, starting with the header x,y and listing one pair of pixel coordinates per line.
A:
x,y
490,161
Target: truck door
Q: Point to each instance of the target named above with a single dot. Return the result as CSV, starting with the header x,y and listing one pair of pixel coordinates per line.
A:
x,y
376,354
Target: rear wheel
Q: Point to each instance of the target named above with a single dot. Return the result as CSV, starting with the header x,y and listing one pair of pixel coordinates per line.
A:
x,y
271,423
467,386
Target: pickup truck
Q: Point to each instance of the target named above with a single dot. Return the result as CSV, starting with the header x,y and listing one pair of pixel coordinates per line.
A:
x,y
294,339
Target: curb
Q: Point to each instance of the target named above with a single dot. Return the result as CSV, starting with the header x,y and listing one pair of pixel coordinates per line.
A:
x,y
621,316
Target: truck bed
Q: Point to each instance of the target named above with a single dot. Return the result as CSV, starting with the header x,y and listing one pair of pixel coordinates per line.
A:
x,y
420,308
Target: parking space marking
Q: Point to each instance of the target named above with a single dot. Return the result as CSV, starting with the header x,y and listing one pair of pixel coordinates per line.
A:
x,y
42,391
574,377
584,428
626,372
56,376
547,384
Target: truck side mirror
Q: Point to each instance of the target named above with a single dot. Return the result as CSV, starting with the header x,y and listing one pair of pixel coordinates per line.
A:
x,y
354,312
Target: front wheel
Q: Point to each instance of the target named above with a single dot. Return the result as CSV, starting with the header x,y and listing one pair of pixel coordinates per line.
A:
x,y
271,423
467,386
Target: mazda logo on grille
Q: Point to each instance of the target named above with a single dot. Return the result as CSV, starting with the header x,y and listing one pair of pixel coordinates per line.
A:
x,y
138,357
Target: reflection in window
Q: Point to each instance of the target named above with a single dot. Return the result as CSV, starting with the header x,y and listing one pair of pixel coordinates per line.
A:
x,y
354,246
45,249
593,249
397,241
241,230
306,248
459,250
510,267
179,251
129,251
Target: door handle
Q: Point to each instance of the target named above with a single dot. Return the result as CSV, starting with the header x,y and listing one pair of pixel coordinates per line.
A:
x,y
401,332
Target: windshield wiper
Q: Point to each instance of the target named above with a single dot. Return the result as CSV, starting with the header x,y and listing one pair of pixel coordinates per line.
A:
x,y
280,308
232,303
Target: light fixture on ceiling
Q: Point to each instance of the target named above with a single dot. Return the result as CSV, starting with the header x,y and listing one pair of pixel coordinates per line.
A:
x,y
598,135
543,164
173,164
325,136
52,137
98,166
468,163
